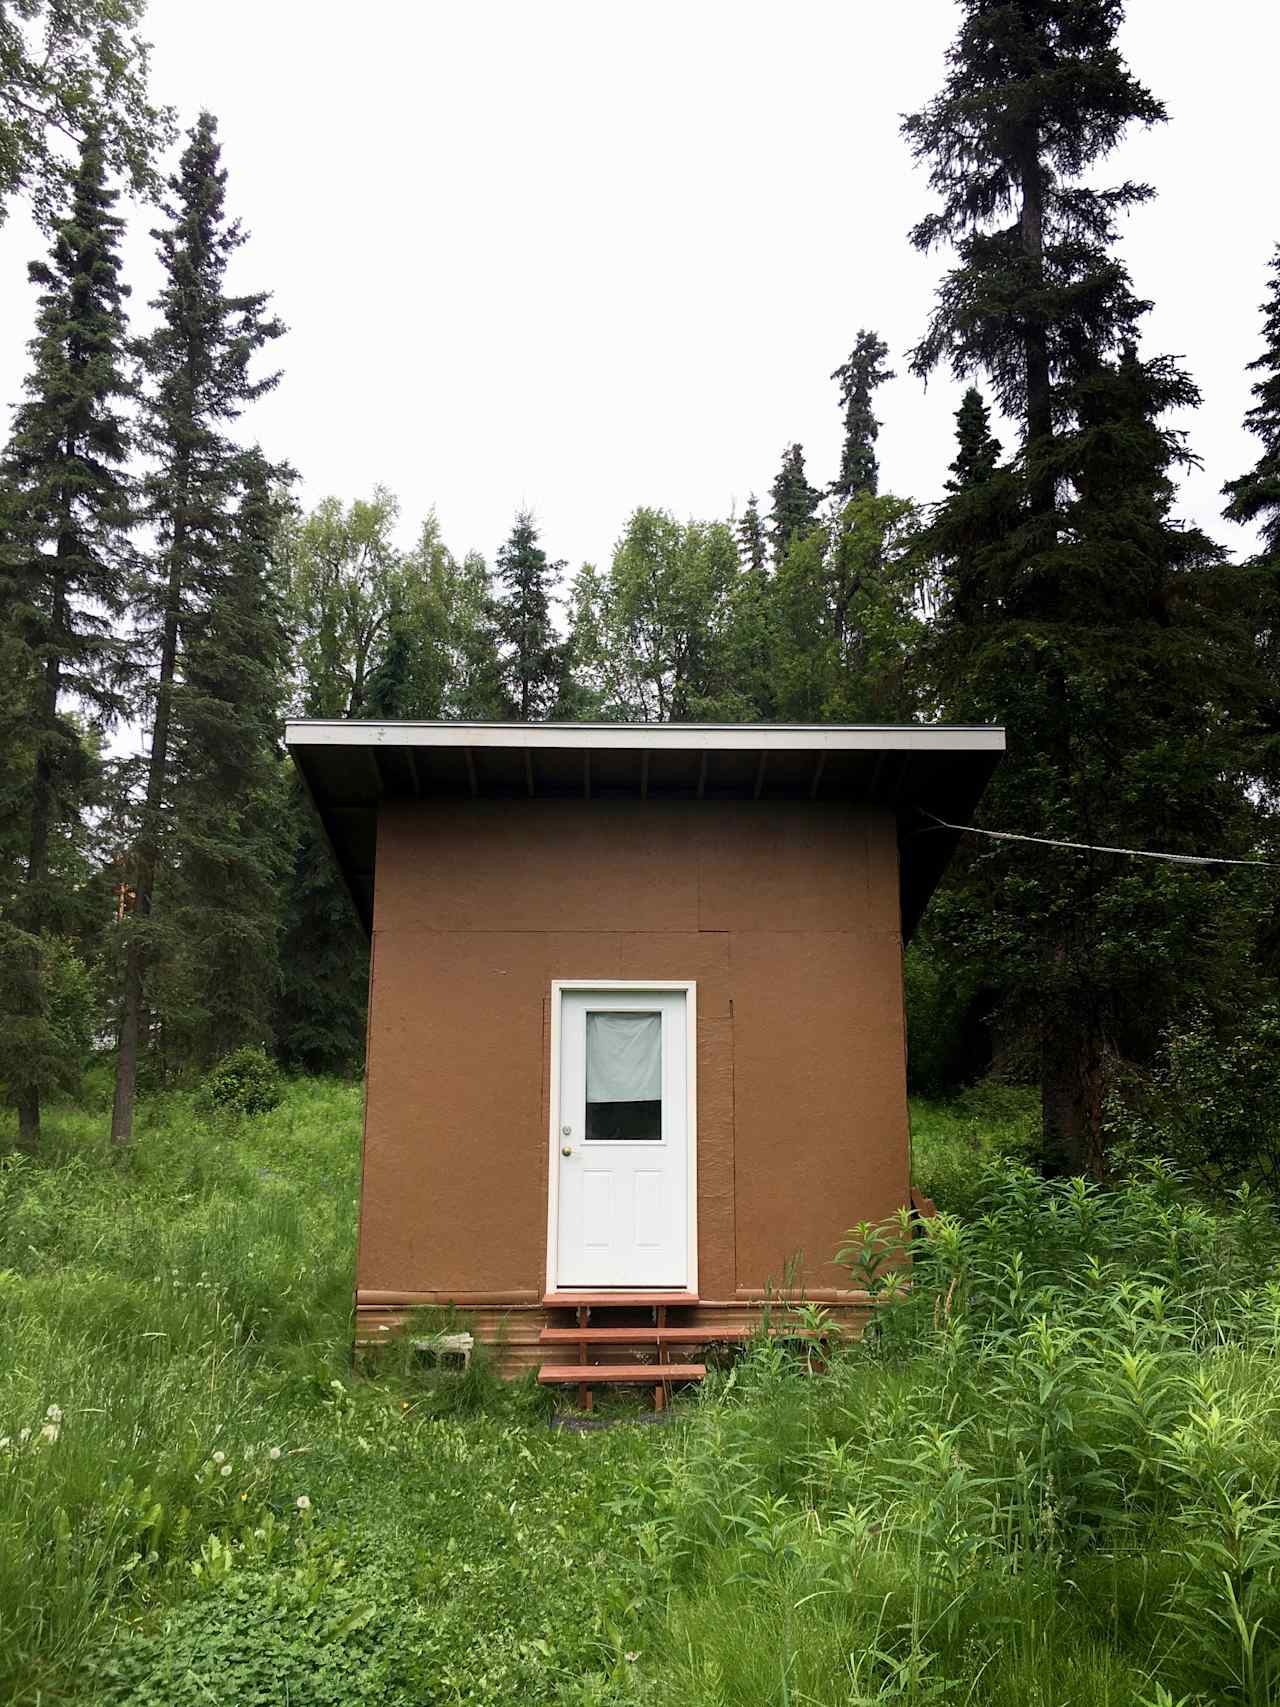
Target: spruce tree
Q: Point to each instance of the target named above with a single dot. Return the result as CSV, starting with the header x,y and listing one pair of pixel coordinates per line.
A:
x,y
1254,498
1036,94
858,378
795,503
1074,607
753,545
977,448
531,656
68,512
226,851
198,363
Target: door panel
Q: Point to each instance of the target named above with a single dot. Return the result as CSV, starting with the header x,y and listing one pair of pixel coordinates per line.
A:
x,y
623,1144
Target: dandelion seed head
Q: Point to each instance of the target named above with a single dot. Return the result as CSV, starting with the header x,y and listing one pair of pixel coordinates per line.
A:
x,y
225,1470
274,1452
218,1457
303,1503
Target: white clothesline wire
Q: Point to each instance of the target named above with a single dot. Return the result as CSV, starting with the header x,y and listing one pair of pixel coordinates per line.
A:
x,y
1090,847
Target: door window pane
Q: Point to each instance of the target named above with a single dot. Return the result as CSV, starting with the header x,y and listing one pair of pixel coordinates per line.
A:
x,y
624,1076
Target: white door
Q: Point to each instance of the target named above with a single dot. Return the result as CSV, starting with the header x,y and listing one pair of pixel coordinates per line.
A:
x,y
623,1140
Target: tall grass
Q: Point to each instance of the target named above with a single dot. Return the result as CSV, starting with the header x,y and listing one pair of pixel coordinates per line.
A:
x,y
1051,1474
155,1309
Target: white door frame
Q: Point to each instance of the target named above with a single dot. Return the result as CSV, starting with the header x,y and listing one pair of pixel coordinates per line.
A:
x,y
629,986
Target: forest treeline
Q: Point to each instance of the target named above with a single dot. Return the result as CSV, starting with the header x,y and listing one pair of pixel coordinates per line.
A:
x,y
167,905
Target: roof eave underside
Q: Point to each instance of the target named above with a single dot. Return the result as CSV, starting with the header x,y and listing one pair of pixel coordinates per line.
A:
x,y
942,775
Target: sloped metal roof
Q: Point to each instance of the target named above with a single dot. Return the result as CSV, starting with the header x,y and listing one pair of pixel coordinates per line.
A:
x,y
350,767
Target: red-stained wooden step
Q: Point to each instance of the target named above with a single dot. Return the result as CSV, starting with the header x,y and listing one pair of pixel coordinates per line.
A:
x,y
583,1374
669,1336
635,1336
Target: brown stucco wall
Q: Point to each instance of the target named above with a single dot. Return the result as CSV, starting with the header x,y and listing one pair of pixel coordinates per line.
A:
x,y
786,914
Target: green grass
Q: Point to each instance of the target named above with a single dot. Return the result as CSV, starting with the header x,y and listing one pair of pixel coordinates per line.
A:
x,y
951,1141
1051,1476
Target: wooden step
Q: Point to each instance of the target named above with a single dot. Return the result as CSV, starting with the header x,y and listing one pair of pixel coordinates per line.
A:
x,y
669,1336
652,1374
609,1300
634,1336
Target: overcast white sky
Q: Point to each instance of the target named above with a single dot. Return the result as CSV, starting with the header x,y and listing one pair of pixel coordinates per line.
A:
x,y
588,254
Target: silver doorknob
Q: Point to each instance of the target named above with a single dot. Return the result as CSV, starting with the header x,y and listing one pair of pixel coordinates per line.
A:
x,y
567,1150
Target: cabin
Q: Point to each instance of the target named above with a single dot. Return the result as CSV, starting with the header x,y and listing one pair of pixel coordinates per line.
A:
x,y
636,1051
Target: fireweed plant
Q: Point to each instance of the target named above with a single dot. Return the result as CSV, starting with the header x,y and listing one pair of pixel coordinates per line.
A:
x,y
1047,1472
1050,1471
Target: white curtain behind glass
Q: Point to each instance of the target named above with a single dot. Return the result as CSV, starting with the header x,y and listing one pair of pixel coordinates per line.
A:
x,y
624,1057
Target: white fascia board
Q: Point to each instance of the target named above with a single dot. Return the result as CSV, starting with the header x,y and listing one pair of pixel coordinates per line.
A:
x,y
653,737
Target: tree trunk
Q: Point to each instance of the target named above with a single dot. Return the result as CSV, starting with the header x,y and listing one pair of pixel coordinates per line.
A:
x,y
41,825
1072,1094
148,861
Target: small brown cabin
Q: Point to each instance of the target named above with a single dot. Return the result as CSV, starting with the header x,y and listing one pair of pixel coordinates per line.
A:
x,y
636,1029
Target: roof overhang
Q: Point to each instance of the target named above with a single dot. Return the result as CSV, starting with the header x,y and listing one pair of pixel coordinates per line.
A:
x,y
915,770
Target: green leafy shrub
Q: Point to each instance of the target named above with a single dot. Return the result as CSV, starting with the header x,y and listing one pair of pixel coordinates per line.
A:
x,y
1210,1105
244,1082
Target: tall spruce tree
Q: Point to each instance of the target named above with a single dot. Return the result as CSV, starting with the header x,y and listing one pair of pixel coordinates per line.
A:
x,y
1036,94
68,512
858,378
532,658
753,544
977,447
198,363
983,509
1075,608
1254,498
795,503
226,853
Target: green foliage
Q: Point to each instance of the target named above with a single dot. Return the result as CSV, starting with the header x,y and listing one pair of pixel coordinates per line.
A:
x,y
49,1001
953,1142
859,378
244,1082
344,586
226,848
1209,1105
845,616
68,511
72,71
206,610
1072,605
1255,497
531,659
948,1044
320,1014
651,638
795,503
188,1301
1049,1473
